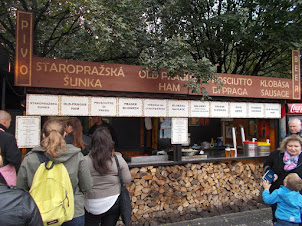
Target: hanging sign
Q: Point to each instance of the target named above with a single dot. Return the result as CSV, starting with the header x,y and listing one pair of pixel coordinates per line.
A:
x,y
74,105
255,110
42,104
178,108
103,106
272,111
219,109
199,109
155,108
129,107
238,110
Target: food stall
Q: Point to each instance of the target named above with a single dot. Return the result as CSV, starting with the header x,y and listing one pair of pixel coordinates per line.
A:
x,y
186,156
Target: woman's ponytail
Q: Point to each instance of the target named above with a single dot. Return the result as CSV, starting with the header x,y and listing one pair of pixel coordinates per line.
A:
x,y
53,142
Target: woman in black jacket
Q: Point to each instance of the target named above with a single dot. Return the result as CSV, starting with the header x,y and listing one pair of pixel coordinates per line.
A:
x,y
283,161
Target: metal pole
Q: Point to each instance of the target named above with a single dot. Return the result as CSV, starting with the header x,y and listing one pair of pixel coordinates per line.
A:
x,y
234,140
3,92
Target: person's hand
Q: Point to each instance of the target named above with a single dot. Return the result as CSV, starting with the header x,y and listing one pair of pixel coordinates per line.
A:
x,y
266,185
275,177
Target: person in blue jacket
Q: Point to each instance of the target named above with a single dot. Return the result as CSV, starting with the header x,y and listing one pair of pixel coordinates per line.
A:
x,y
288,199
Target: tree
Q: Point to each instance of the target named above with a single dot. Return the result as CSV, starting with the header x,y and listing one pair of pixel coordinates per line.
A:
x,y
79,30
238,36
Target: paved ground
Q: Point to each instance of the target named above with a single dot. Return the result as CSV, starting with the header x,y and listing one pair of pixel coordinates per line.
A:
x,y
247,218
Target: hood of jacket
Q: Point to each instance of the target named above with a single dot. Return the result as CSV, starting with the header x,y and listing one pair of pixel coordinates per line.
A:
x,y
63,156
291,198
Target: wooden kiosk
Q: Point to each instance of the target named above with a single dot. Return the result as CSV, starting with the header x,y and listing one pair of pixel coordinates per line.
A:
x,y
170,187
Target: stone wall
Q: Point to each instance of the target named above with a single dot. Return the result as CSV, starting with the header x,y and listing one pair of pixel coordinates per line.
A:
x,y
163,194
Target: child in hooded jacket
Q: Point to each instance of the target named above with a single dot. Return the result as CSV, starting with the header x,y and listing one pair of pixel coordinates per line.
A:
x,y
288,199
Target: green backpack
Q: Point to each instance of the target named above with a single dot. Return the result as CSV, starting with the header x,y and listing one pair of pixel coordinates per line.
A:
x,y
52,191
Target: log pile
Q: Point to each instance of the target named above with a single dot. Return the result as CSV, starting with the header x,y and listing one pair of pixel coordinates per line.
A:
x,y
165,194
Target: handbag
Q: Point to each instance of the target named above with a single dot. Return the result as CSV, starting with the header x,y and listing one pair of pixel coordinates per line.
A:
x,y
125,200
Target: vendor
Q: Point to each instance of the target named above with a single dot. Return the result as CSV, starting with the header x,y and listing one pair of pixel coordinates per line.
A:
x,y
97,120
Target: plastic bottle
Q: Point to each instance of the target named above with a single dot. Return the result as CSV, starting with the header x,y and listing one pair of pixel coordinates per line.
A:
x,y
219,142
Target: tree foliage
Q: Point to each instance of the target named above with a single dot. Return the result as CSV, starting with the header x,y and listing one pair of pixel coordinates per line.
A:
x,y
88,30
239,37
199,37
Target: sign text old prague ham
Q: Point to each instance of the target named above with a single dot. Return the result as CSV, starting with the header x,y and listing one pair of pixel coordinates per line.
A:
x,y
34,71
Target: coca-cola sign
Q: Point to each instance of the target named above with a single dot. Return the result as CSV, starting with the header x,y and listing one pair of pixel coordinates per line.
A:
x,y
295,108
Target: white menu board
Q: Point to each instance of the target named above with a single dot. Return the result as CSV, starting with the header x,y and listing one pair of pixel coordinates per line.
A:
x,y
238,110
42,104
155,108
219,109
255,110
103,106
178,108
199,109
28,131
74,105
272,111
179,133
130,107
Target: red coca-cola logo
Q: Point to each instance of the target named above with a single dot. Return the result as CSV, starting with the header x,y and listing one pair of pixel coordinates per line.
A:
x,y
295,108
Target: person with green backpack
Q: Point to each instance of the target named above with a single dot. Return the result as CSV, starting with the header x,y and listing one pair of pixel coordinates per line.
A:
x,y
56,175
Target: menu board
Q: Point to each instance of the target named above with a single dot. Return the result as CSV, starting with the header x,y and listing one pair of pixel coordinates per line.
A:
x,y
219,109
28,131
54,105
238,110
179,134
178,108
272,111
255,110
103,106
42,104
155,108
199,109
130,107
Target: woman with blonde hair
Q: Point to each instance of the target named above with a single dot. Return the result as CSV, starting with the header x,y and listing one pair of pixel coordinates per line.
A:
x,y
55,149
75,135
283,161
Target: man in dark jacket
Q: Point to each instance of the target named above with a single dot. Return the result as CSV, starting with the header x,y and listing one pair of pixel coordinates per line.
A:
x,y
9,150
294,127
99,122
17,207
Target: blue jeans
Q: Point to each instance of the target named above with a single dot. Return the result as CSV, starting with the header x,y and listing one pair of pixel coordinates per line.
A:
x,y
77,221
284,223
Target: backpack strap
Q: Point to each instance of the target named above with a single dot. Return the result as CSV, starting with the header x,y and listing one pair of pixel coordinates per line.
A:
x,y
42,158
119,170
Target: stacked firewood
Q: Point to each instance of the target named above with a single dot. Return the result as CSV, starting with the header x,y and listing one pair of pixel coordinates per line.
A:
x,y
169,192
